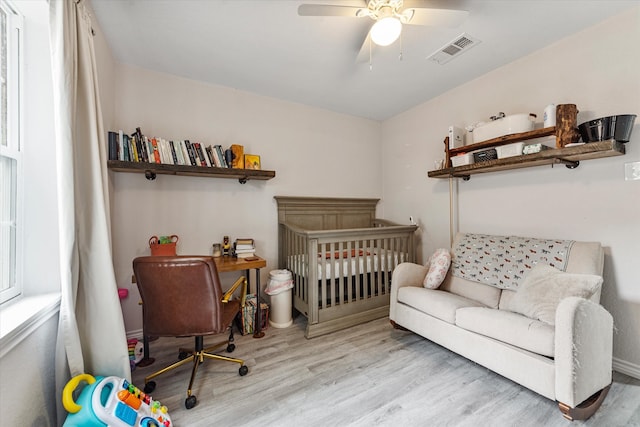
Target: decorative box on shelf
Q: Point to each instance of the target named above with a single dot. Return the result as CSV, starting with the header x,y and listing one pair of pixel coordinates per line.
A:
x,y
246,317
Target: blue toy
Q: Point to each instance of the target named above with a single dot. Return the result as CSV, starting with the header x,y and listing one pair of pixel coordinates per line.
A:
x,y
112,402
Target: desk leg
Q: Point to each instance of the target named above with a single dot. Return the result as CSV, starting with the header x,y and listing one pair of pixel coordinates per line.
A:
x,y
257,330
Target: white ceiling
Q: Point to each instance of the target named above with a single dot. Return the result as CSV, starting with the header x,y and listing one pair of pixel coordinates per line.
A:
x,y
264,47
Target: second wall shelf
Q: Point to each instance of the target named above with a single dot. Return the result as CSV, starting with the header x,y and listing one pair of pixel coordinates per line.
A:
x,y
570,156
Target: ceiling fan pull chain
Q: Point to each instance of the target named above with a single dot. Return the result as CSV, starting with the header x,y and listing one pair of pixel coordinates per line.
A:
x,y
400,57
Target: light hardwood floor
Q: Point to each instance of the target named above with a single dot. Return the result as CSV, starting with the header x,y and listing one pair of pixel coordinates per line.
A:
x,y
368,375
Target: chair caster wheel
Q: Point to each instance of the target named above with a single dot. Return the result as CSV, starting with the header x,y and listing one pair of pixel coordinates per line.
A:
x,y
190,402
149,387
230,348
243,371
183,355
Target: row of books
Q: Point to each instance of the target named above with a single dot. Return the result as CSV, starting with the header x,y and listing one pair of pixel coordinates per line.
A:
x,y
244,248
140,148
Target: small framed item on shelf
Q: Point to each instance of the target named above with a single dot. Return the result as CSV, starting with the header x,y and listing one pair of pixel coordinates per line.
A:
x,y
252,161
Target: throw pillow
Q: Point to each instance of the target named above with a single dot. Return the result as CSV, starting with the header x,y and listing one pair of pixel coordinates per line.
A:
x,y
544,287
438,265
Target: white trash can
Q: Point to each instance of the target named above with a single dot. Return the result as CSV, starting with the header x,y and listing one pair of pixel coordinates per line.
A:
x,y
279,289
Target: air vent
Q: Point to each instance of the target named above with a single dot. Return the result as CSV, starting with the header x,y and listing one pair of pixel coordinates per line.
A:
x,y
453,49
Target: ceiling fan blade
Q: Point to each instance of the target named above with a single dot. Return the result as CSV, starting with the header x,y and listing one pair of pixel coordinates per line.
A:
x,y
438,17
327,10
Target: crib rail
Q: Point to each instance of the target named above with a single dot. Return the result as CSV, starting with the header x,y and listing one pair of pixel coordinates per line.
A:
x,y
343,272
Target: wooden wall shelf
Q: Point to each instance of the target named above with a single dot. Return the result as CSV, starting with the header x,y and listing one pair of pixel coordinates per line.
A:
x,y
570,156
152,169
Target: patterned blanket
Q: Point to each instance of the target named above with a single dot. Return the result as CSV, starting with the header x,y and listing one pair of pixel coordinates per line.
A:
x,y
503,261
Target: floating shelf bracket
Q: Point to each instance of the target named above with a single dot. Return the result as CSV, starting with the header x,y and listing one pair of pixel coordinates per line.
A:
x,y
570,164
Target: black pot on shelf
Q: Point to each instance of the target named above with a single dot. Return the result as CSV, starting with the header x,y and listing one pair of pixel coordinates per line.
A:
x,y
605,128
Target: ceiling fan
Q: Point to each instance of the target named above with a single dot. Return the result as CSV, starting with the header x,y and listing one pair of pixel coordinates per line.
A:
x,y
389,16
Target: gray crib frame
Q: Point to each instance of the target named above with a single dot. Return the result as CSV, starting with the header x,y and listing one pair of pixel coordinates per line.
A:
x,y
308,226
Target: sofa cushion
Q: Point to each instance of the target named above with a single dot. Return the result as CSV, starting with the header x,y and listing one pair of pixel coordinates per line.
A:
x,y
544,287
508,327
484,294
437,303
438,265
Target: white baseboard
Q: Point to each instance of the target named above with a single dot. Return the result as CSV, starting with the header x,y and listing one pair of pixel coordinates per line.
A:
x,y
626,368
134,334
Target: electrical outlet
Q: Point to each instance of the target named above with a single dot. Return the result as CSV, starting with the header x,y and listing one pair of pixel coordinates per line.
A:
x,y
632,171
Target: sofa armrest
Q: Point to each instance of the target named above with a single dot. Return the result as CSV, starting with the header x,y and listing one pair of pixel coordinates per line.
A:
x,y
583,350
405,274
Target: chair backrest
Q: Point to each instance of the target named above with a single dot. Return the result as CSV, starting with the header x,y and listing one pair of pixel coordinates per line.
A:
x,y
181,295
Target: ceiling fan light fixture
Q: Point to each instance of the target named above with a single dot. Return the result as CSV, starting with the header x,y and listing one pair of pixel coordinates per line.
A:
x,y
386,30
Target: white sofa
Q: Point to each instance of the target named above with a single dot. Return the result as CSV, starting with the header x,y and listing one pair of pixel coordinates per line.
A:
x,y
570,362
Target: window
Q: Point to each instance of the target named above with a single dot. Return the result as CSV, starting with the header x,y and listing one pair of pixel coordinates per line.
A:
x,y
10,153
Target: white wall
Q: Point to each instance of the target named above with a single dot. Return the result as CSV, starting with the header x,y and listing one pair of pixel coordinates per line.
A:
x,y
314,153
28,386
597,71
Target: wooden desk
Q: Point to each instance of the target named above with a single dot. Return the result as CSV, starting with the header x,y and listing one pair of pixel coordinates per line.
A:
x,y
226,264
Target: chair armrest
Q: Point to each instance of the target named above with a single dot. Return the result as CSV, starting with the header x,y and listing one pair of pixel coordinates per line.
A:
x,y
583,350
242,281
405,274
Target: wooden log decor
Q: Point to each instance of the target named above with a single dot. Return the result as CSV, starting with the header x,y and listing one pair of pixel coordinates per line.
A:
x,y
566,125
447,155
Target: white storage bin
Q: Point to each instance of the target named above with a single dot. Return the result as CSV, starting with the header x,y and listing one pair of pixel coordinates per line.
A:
x,y
510,150
279,289
462,159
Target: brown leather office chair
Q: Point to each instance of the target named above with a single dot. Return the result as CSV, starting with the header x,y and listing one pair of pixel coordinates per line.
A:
x,y
181,297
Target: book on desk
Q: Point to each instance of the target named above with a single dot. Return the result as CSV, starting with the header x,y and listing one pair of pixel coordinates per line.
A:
x,y
244,248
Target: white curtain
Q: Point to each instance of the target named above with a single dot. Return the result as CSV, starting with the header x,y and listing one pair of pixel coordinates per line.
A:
x,y
91,334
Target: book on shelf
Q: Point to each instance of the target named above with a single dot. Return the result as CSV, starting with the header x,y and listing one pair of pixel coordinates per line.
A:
x,y
220,154
214,158
208,151
134,149
143,150
156,151
149,145
126,145
200,154
120,145
161,149
112,140
174,153
191,151
206,156
185,152
180,152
